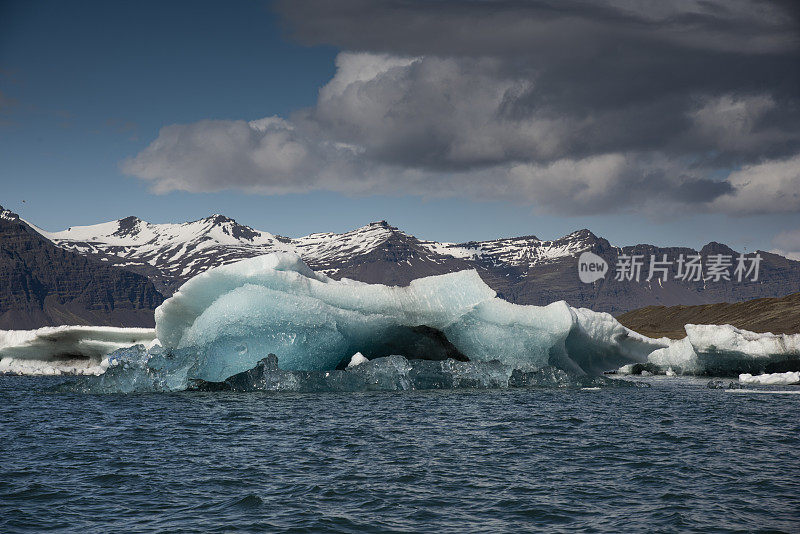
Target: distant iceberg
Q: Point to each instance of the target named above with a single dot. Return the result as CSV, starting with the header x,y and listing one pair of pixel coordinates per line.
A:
x,y
723,350
65,349
771,379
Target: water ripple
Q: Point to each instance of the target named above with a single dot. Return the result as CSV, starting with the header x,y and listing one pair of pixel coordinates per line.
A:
x,y
674,457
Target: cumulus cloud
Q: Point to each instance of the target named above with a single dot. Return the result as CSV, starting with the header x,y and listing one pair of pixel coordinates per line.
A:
x,y
267,155
436,113
569,106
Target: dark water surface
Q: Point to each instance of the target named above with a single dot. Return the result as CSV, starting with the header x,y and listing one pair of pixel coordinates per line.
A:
x,y
674,457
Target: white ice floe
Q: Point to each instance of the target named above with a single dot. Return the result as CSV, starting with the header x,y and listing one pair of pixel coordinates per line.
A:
x,y
771,379
66,349
16,366
725,350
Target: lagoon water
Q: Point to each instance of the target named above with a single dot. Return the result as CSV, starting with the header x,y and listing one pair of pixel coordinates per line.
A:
x,y
674,457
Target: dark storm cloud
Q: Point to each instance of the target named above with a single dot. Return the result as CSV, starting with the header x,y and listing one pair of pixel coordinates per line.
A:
x,y
573,106
634,70
554,31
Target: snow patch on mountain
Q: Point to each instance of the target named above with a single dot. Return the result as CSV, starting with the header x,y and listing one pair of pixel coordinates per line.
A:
x,y
180,251
327,247
191,243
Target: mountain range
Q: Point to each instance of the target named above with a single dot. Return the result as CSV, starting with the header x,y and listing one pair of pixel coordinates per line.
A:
x,y
524,270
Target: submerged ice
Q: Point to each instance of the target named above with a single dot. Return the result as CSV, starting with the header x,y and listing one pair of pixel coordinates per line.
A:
x,y
227,319
133,372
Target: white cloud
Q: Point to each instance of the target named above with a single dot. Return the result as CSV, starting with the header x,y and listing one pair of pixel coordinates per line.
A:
x,y
769,187
265,156
467,127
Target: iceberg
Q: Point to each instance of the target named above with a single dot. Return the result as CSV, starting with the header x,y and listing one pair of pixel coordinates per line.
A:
x,y
135,369
390,373
771,379
65,349
724,350
343,335
227,319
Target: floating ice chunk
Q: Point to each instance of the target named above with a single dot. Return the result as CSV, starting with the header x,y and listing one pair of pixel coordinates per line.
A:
x,y
136,369
728,339
65,349
357,359
228,318
599,343
553,377
391,373
678,355
772,379
720,384
576,340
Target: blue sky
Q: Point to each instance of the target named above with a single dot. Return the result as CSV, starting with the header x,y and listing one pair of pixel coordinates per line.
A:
x,y
86,86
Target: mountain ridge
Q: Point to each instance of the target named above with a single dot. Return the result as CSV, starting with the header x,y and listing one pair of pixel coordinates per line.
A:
x,y
524,270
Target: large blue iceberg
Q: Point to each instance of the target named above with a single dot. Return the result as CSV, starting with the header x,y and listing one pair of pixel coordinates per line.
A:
x,y
224,321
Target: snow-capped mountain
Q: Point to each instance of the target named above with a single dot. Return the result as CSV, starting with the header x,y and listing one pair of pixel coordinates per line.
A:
x,y
169,254
44,285
526,270
377,252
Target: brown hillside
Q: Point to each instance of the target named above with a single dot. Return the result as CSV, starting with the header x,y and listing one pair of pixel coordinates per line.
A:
x,y
776,315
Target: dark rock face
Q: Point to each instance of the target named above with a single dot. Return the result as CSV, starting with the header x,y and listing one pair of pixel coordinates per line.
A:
x,y
396,261
43,285
778,276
